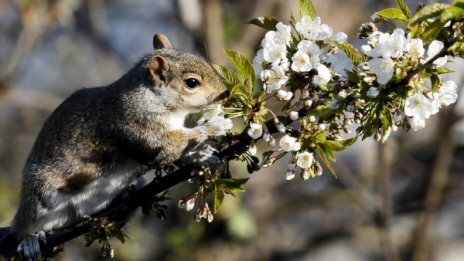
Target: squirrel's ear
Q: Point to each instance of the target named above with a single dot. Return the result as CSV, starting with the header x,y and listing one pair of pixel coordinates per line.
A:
x,y
158,69
160,41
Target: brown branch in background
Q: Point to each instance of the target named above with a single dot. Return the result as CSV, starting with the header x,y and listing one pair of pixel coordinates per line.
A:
x,y
213,24
384,213
250,36
422,249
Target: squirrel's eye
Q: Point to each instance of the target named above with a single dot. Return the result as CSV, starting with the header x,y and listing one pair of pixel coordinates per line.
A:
x,y
192,83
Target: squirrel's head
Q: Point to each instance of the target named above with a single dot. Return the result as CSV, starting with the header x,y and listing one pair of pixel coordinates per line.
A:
x,y
188,79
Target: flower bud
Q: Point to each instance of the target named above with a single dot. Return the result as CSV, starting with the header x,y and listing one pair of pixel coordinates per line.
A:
x,y
308,104
280,127
252,149
294,115
290,174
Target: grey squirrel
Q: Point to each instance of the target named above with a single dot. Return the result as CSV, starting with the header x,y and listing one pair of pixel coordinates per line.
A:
x,y
99,140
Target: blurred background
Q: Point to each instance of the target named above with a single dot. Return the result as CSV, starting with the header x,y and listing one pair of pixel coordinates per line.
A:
x,y
403,200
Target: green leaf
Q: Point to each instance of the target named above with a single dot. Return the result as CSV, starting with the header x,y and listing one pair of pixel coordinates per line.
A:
x,y
229,78
443,70
243,66
452,13
386,123
338,145
324,159
459,3
432,31
334,145
239,89
231,186
322,111
307,8
393,14
266,22
435,83
428,11
218,198
352,53
404,8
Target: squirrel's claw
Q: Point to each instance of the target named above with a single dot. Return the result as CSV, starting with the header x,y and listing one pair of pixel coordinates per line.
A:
x,y
29,248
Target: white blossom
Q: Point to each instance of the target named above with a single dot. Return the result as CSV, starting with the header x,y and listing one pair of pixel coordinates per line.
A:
x,y
290,174
447,93
417,106
284,95
435,47
383,68
210,112
273,79
323,75
274,52
434,104
283,34
415,48
190,204
340,37
304,160
322,127
343,93
280,127
283,64
312,118
308,104
258,62
301,62
378,45
252,149
440,62
221,124
309,47
324,32
255,131
313,29
289,143
294,115
396,44
373,92
417,123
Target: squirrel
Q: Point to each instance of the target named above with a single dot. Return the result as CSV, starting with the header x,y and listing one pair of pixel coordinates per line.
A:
x,y
99,140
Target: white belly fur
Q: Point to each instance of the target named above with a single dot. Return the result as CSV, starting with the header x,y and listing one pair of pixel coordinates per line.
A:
x,y
93,198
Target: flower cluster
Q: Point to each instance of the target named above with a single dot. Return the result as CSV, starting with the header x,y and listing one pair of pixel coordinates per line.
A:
x,y
392,55
289,60
282,55
394,83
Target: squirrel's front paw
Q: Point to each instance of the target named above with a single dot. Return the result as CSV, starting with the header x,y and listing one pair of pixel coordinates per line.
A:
x,y
203,156
29,248
217,126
